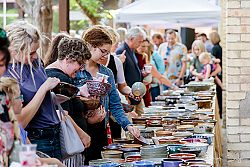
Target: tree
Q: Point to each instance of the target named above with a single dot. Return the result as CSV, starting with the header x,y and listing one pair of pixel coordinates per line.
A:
x,y
92,9
41,15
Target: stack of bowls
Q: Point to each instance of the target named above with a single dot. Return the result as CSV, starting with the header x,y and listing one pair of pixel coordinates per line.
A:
x,y
154,151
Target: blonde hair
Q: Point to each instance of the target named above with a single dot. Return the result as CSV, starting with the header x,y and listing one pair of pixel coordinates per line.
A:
x,y
200,45
10,87
204,56
21,35
122,33
114,35
214,37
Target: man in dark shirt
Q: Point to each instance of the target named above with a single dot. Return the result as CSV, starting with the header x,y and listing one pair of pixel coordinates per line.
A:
x,y
132,73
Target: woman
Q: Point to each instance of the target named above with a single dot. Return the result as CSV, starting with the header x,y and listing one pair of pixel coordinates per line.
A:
x,y
115,64
142,58
12,90
217,52
153,58
99,43
71,56
4,109
157,63
38,115
196,66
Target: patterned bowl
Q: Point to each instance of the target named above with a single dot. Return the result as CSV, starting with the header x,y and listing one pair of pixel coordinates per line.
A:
x,y
96,88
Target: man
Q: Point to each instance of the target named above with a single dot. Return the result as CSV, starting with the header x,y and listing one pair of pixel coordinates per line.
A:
x,y
206,41
132,72
174,55
157,40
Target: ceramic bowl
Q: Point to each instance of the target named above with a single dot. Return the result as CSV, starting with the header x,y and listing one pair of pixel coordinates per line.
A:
x,y
171,127
197,87
65,89
91,103
208,137
138,89
193,140
185,127
99,162
148,134
170,162
111,154
190,150
175,140
156,139
182,134
182,156
125,150
144,164
131,146
134,155
122,141
161,133
174,148
139,120
112,147
204,103
202,146
96,88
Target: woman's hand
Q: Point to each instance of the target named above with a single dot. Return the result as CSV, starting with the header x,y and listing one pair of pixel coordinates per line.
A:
x,y
50,83
134,131
99,115
86,139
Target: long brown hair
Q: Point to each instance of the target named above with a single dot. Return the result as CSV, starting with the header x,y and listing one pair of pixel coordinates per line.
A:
x,y
52,53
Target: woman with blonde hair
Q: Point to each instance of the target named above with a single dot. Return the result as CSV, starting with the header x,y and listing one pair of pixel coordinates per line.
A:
x,y
217,52
11,88
38,115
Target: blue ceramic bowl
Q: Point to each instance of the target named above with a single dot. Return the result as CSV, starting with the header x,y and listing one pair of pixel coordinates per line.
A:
x,y
171,162
143,164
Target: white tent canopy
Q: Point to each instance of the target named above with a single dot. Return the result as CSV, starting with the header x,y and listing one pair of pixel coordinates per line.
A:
x,y
180,12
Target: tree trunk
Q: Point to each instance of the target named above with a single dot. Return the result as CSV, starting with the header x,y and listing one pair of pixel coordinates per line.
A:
x,y
43,20
41,15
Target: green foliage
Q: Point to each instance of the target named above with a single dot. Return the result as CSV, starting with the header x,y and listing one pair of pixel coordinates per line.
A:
x,y
55,21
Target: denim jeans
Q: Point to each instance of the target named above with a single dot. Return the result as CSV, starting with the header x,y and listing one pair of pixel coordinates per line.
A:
x,y
155,91
47,140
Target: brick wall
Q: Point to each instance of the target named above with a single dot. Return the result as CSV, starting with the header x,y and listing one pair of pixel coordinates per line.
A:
x,y
238,81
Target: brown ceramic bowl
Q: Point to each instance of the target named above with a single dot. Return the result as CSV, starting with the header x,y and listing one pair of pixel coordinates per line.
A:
x,y
131,145
139,120
175,140
111,154
96,88
204,103
161,133
182,156
91,103
65,89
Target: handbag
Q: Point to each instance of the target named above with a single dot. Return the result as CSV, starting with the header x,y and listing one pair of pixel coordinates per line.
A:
x,y
70,141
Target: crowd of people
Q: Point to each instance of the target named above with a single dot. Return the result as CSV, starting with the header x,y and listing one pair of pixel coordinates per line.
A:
x,y
27,80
